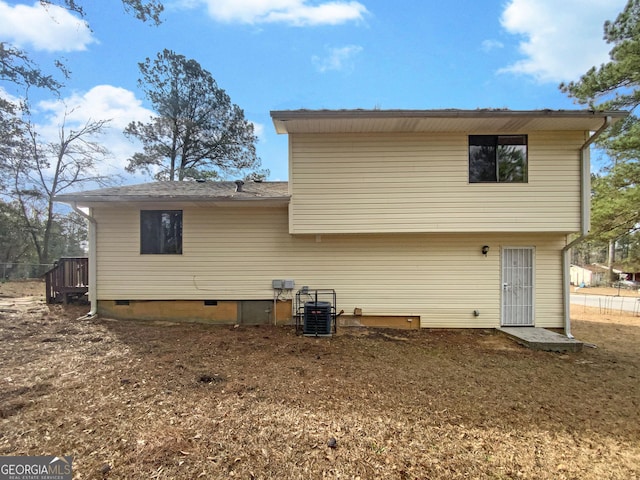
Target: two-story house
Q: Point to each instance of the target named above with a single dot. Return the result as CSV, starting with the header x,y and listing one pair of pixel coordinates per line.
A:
x,y
436,218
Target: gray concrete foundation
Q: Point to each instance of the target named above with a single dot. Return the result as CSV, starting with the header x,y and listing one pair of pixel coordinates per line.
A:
x,y
541,339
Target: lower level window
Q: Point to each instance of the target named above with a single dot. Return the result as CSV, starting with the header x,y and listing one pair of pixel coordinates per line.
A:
x,y
161,231
498,158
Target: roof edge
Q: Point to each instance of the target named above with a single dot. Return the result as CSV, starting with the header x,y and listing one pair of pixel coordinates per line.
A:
x,y
192,192
439,113
71,198
287,121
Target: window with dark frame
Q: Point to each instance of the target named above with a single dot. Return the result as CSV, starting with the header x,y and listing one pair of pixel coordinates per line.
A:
x,y
498,159
161,232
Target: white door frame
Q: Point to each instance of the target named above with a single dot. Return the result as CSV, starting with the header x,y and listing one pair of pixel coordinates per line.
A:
x,y
518,292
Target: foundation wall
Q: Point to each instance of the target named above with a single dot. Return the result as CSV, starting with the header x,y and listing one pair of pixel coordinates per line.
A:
x,y
227,312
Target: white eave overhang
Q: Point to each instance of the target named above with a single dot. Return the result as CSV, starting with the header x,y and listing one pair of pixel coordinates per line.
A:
x,y
467,121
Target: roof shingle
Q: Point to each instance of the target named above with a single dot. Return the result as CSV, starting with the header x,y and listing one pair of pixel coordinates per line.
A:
x,y
182,191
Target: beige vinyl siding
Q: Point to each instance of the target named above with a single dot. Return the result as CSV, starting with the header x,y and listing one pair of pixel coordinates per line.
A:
x,y
363,183
234,253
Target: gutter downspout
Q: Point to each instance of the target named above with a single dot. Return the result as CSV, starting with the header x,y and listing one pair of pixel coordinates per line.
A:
x,y
585,221
93,260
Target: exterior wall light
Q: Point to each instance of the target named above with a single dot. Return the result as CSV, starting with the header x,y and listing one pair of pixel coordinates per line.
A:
x,y
485,250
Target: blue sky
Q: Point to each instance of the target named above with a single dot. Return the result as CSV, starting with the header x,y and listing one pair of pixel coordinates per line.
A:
x,y
314,54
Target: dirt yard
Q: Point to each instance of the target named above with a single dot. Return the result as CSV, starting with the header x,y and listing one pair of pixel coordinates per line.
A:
x,y
133,400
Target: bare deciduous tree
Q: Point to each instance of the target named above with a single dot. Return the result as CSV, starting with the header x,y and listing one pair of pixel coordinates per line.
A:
x,y
41,170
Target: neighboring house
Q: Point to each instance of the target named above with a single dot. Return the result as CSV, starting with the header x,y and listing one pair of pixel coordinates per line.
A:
x,y
595,275
589,275
627,273
445,218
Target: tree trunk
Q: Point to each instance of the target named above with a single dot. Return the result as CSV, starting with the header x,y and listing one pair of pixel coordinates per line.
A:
x,y
612,258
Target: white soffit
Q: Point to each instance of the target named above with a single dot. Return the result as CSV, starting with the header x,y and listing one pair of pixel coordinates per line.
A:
x,y
468,121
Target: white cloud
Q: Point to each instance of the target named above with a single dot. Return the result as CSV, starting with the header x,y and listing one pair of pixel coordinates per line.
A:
x,y
291,12
340,58
103,102
51,29
258,130
9,98
560,40
489,45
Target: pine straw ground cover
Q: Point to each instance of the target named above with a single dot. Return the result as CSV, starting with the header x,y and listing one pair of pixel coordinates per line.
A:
x,y
134,400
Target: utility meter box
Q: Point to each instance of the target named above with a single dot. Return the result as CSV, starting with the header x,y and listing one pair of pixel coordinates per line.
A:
x,y
289,284
277,284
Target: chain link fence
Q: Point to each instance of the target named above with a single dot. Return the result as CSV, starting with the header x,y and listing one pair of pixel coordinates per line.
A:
x,y
23,271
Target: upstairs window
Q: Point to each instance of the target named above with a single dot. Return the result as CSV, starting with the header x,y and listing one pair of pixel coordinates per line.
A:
x,y
161,232
498,159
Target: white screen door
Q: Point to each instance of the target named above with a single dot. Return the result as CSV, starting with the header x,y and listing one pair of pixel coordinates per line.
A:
x,y
517,287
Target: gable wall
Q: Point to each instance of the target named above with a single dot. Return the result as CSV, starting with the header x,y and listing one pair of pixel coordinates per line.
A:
x,y
234,253
369,183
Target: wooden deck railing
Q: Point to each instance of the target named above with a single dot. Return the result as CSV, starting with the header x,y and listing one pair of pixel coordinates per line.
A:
x,y
69,278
